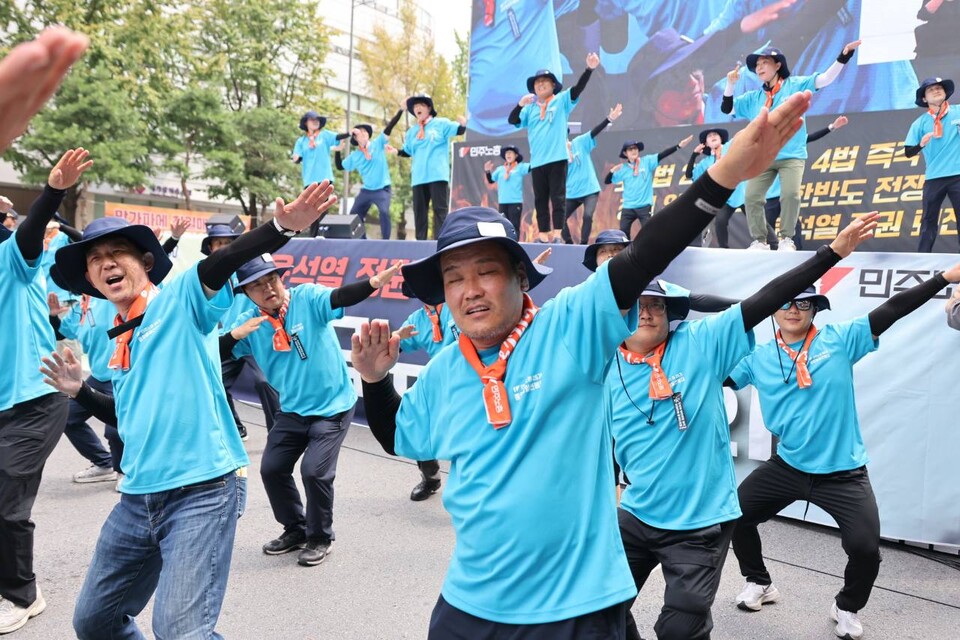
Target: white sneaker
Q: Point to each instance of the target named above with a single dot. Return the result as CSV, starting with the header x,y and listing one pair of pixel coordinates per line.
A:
x,y
13,617
848,624
786,244
95,474
754,596
756,245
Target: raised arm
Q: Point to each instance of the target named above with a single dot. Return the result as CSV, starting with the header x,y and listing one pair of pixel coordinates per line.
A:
x,y
828,76
593,61
906,302
387,130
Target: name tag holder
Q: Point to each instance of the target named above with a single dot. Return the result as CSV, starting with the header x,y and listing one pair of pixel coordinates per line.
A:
x,y
298,345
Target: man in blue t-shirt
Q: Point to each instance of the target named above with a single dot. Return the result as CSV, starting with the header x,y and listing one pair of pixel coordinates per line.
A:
x,y
583,188
289,333
312,149
666,399
428,143
636,176
538,553
184,487
937,134
370,161
544,112
32,416
770,65
804,378
509,180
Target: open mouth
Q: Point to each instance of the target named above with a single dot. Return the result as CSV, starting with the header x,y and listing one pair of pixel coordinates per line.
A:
x,y
476,310
112,280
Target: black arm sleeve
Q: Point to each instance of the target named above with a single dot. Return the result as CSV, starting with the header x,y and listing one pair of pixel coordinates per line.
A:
x,y
216,269
338,161
688,171
667,152
816,135
664,237
351,294
382,402
514,117
55,323
170,244
102,406
227,343
71,232
403,154
786,287
600,128
578,88
30,232
709,303
844,58
462,129
489,177
912,150
387,130
608,179
342,136
905,302
726,105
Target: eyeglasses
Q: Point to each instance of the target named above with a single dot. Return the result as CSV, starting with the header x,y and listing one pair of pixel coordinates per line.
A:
x,y
801,305
655,308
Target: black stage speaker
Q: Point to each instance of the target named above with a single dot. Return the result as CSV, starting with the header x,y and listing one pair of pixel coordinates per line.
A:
x,y
230,219
336,226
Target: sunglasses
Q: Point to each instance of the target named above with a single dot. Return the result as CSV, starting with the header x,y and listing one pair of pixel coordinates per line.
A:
x,y
801,305
655,308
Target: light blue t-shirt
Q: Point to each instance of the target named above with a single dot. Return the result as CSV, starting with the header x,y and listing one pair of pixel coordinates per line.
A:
x,y
748,106
172,411
420,319
240,305
818,427
374,172
681,480
637,189
315,163
548,137
91,333
549,465
942,155
315,383
510,189
738,196
581,174
29,337
431,155
58,241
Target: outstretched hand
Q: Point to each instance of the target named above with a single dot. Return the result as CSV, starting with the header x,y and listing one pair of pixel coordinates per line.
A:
x,y
63,373
383,278
859,230
69,168
374,351
405,332
310,205
179,227
245,329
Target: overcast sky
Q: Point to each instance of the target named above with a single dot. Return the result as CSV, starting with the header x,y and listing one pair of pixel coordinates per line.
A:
x,y
448,16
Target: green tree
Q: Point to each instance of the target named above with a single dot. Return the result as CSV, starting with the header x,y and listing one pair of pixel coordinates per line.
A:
x,y
395,67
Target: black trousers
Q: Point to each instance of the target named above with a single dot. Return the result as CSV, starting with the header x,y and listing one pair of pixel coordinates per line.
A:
x,y
771,211
692,562
450,623
437,192
269,398
29,432
429,469
627,216
934,193
512,212
847,496
550,190
589,204
318,440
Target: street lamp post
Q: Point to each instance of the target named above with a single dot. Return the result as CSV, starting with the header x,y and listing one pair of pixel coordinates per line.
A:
x,y
353,5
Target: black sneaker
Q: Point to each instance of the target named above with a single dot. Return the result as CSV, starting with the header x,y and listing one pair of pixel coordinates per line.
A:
x,y
289,541
314,552
425,489
243,432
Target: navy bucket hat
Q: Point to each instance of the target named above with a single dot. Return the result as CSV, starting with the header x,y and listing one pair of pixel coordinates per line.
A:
x,y
605,237
216,231
676,297
462,228
422,98
510,147
365,127
821,301
769,52
723,133
627,145
312,115
544,73
71,259
256,269
946,83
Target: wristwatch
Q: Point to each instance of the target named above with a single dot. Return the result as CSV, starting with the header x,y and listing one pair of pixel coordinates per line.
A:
x,y
287,232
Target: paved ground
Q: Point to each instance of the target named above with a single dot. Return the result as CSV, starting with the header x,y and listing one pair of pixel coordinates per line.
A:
x,y
385,572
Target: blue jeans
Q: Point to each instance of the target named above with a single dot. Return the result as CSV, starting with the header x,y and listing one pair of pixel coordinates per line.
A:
x,y
177,543
379,198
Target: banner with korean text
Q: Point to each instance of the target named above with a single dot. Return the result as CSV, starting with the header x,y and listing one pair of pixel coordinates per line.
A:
x,y
160,217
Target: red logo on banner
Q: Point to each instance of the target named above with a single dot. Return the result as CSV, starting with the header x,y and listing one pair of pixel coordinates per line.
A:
x,y
832,277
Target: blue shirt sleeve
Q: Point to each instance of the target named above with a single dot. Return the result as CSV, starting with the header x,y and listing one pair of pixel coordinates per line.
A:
x,y
413,438
619,174
723,340
805,83
525,115
451,128
744,106
242,348
12,261
699,169
497,174
650,163
205,313
330,137
857,337
417,342
593,326
319,298
742,374
298,147
914,135
350,162
523,168
567,101
70,323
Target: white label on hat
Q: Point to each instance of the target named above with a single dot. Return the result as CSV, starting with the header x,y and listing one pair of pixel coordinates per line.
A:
x,y
492,229
266,257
